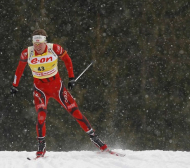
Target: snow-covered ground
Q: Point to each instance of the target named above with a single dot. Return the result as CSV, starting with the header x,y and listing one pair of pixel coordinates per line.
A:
x,y
93,159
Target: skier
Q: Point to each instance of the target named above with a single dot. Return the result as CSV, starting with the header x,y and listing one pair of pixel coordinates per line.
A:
x,y
42,59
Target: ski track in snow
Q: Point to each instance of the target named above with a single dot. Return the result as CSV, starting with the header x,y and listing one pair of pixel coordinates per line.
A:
x,y
94,159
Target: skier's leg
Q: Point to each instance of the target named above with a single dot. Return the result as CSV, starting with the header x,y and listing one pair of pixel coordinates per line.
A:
x,y
67,101
40,101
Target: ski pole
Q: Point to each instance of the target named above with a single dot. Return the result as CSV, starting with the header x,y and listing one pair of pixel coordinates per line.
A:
x,y
84,70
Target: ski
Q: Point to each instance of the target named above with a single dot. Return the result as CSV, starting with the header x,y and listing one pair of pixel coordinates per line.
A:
x,y
114,153
107,151
36,158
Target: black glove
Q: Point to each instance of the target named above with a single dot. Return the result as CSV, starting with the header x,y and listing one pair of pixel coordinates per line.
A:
x,y
13,91
71,83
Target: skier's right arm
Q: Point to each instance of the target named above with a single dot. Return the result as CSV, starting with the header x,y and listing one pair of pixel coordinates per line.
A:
x,y
19,71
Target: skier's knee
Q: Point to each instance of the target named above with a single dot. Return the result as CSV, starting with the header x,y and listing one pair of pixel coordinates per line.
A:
x,y
41,117
77,114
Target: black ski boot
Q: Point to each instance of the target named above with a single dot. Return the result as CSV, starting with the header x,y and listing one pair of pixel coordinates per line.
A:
x,y
95,139
41,147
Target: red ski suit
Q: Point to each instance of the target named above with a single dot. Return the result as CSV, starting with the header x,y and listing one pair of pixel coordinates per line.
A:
x,y
46,88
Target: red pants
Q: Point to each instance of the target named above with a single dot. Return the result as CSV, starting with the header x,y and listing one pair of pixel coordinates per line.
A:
x,y
53,87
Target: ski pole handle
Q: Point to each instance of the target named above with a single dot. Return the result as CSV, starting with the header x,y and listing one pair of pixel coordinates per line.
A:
x,y
84,70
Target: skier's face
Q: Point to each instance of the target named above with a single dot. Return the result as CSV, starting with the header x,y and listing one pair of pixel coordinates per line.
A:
x,y
39,47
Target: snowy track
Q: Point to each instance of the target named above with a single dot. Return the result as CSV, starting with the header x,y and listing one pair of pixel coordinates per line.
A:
x,y
89,159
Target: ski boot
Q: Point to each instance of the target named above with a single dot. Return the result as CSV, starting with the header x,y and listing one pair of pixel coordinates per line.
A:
x,y
95,139
41,148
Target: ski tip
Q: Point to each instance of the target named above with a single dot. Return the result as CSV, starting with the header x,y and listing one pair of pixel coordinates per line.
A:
x,y
28,158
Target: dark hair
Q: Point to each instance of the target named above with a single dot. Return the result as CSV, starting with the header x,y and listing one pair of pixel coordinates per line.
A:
x,y
39,32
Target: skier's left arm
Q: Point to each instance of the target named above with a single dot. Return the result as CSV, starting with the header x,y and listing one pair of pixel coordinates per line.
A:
x,y
63,55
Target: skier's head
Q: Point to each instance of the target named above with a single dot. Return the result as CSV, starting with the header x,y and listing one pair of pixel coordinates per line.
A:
x,y
39,40
39,35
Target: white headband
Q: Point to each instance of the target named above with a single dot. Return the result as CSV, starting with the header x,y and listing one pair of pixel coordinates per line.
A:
x,y
38,39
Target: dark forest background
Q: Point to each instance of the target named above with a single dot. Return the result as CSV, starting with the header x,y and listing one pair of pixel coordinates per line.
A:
x,y
137,94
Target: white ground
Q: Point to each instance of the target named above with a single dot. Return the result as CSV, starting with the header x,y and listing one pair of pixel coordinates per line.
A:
x,y
93,159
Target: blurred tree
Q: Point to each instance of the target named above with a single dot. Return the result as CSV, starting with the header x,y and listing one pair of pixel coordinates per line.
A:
x,y
136,96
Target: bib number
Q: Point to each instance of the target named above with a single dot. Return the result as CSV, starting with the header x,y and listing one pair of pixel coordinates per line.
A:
x,y
41,68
